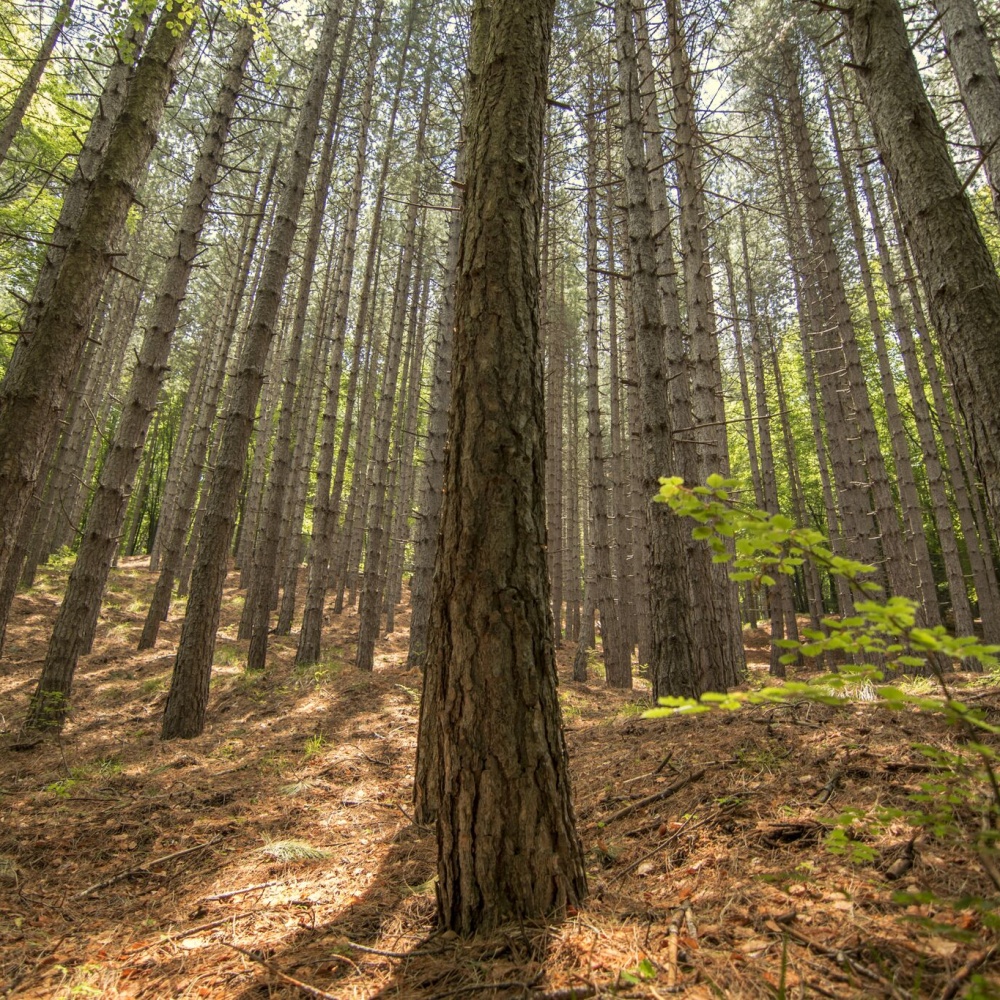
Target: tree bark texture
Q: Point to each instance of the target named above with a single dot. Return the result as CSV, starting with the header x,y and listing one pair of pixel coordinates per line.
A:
x,y
963,289
507,844
184,715
44,365
82,601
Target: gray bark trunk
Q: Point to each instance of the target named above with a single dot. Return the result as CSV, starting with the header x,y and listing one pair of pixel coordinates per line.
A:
x,y
77,618
187,701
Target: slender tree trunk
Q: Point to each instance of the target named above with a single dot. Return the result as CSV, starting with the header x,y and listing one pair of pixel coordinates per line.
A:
x,y
918,575
187,701
404,448
265,555
674,654
971,54
39,377
783,624
11,123
77,618
617,656
310,403
429,518
376,553
329,485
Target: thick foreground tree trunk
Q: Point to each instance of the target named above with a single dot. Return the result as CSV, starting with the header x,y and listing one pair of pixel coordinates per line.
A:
x,y
507,844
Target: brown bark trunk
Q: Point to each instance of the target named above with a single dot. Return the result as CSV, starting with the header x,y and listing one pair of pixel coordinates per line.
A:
x,y
77,618
184,715
507,845
40,374
963,289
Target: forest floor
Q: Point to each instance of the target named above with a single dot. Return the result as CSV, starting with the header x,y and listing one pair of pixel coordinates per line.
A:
x,y
274,856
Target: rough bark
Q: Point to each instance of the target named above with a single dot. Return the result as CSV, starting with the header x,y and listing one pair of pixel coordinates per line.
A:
x,y
917,576
44,364
74,626
432,474
329,483
184,715
507,844
617,656
376,551
963,289
674,655
265,554
971,54
12,120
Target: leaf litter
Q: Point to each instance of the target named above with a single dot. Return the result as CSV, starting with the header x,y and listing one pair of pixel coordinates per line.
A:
x,y
275,855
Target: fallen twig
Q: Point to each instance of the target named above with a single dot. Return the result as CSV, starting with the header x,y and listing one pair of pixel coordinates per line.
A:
x,y
672,951
191,931
238,892
657,797
571,993
838,955
395,954
144,869
474,987
313,991
683,828
975,960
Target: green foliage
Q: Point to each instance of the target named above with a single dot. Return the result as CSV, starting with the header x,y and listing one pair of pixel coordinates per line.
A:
x,y
959,802
762,546
36,169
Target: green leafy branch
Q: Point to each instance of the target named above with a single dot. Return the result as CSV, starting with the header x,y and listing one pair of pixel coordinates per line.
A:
x,y
962,798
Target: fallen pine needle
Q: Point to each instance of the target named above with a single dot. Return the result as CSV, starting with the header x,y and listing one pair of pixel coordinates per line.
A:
x,y
144,869
974,961
238,892
313,991
650,799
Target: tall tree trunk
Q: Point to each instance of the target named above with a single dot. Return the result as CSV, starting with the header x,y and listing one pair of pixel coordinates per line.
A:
x,y
39,377
963,289
971,54
12,121
974,531
507,844
429,516
184,715
919,576
265,555
376,552
329,483
617,656
783,624
77,618
673,662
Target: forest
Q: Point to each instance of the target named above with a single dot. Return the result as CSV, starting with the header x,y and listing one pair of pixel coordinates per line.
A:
x,y
499,499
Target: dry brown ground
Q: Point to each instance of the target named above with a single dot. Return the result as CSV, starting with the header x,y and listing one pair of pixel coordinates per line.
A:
x,y
121,856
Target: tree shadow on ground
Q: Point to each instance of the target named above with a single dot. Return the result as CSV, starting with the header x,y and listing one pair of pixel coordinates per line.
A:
x,y
385,944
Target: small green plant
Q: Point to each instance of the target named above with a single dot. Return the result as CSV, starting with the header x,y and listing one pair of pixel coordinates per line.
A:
x,y
63,788
960,801
227,656
108,767
152,686
632,708
314,745
293,850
